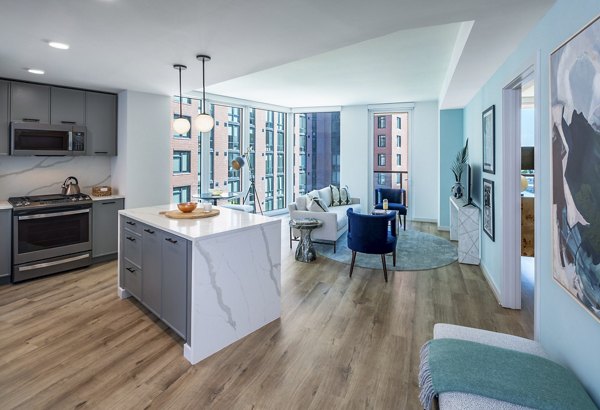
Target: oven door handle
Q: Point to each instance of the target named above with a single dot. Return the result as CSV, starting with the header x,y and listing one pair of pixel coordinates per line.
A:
x,y
53,263
53,214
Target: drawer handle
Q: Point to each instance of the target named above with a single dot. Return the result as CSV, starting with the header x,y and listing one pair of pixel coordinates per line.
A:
x,y
131,239
171,240
149,231
130,223
100,152
108,203
31,120
67,122
130,270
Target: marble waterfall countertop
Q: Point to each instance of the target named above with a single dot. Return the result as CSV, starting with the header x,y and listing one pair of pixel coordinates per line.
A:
x,y
106,198
5,205
228,220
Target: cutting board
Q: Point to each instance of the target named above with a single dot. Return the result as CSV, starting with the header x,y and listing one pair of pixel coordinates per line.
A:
x,y
195,214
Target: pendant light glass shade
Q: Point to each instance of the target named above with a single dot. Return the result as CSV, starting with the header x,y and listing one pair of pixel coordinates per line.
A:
x,y
204,121
180,125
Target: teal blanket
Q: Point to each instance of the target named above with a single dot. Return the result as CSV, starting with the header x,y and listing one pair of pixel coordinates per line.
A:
x,y
450,365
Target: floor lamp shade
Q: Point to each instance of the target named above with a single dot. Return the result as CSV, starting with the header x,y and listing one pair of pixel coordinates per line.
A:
x,y
238,163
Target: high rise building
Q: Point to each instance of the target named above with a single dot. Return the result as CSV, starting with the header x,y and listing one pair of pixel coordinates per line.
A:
x,y
390,150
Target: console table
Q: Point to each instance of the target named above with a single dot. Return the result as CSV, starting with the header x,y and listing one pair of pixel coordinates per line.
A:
x,y
464,227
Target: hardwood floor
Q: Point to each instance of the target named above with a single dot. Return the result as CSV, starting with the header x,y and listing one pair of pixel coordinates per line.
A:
x,y
67,341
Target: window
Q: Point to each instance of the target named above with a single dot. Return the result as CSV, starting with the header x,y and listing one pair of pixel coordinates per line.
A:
x,y
269,120
252,114
280,163
381,121
189,133
280,141
226,143
269,164
268,187
234,186
234,114
381,141
381,160
269,204
182,162
398,159
317,151
398,140
280,202
399,178
269,140
398,122
280,185
280,121
381,179
184,100
233,135
181,194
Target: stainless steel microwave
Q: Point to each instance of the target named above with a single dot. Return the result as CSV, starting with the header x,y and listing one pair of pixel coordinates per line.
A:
x,y
33,138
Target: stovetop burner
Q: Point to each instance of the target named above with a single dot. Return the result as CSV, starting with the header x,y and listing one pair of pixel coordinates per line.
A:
x,y
48,200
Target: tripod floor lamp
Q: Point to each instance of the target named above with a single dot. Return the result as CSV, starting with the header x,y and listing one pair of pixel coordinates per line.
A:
x,y
238,164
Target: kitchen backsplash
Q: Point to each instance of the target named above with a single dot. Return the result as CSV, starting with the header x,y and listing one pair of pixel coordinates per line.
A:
x,y
21,176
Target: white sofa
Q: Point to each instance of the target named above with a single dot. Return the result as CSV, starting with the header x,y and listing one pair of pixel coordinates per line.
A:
x,y
335,221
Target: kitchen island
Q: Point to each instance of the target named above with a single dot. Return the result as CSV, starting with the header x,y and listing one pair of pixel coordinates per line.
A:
x,y
212,280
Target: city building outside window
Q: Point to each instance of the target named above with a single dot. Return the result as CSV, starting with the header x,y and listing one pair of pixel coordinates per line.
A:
x,y
269,140
398,140
398,159
381,160
269,164
181,194
381,179
381,121
182,162
381,141
399,122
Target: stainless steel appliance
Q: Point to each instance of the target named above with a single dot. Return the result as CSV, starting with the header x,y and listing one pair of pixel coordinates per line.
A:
x,y
70,186
33,138
51,233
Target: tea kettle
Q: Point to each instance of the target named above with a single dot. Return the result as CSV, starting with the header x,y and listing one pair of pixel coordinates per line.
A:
x,y
70,186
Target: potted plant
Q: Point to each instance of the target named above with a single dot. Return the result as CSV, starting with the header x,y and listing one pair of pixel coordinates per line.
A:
x,y
457,168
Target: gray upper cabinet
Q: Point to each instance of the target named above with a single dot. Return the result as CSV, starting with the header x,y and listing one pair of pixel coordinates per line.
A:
x,y
29,102
4,117
5,244
105,217
101,122
67,106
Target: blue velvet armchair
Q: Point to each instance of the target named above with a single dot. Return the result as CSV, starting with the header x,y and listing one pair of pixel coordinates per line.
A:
x,y
396,201
371,234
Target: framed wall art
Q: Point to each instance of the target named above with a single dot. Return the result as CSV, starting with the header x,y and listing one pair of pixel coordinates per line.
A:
x,y
489,199
489,140
575,134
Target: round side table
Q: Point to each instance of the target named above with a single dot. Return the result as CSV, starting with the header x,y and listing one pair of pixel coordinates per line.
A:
x,y
305,252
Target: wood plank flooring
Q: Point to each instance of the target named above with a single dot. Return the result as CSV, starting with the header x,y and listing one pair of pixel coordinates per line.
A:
x,y
68,341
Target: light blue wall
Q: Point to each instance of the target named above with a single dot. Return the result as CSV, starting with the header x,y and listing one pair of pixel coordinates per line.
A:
x,y
567,331
451,141
527,127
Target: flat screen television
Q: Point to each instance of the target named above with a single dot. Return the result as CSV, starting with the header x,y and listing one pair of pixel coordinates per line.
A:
x,y
465,181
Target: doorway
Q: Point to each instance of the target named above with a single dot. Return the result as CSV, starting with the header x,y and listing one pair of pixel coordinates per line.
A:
x,y
520,160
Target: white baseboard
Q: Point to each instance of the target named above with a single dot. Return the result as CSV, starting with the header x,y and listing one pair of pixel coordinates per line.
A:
x,y
443,228
490,282
423,220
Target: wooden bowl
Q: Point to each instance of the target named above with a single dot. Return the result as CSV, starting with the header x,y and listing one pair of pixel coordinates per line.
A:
x,y
186,207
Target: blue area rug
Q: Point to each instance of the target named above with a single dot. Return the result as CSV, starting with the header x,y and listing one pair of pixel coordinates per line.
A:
x,y
415,251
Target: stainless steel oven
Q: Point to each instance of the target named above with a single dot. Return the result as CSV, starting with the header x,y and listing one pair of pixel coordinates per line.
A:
x,y
51,239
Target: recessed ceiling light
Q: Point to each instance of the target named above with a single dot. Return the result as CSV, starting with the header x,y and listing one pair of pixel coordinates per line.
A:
x,y
60,46
35,71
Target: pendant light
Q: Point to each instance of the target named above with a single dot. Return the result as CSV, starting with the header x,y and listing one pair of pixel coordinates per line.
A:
x,y
180,125
204,121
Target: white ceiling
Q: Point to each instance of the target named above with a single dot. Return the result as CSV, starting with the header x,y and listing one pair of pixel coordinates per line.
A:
x,y
310,49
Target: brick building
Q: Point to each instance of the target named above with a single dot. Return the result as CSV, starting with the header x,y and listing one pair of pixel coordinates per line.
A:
x,y
390,150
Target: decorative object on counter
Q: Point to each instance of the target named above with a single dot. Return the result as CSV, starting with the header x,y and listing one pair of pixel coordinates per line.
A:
x,y
207,207
195,214
186,207
204,121
488,208
208,196
238,164
489,140
101,190
70,186
180,125
458,167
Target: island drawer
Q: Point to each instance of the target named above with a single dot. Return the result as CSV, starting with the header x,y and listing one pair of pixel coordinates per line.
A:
x,y
130,224
132,247
132,279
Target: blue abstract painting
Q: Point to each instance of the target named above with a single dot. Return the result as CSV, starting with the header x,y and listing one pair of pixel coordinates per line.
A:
x,y
575,128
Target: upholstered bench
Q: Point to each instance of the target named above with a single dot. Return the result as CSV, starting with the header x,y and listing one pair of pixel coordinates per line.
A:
x,y
467,401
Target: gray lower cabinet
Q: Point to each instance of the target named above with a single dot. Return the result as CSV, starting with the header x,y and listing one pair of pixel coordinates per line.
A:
x,y
67,106
4,117
101,123
105,225
29,102
174,282
5,244
151,261
160,280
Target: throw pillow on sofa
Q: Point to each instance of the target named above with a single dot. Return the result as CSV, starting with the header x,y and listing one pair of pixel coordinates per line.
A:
x,y
316,204
345,198
335,195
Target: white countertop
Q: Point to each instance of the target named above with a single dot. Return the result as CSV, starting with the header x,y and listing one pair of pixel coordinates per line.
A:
x,y
5,205
228,220
106,198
